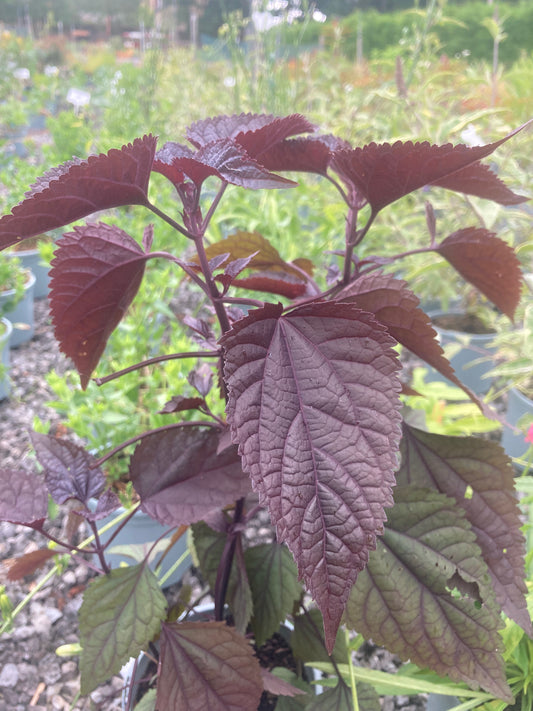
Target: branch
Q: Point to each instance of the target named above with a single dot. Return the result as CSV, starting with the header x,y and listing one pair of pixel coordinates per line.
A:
x,y
153,361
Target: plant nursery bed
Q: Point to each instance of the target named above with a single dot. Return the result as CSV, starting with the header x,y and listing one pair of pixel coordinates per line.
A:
x,y
31,673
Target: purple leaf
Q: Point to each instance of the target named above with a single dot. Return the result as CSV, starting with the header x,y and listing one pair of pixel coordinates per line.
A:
x,y
207,665
309,155
385,173
69,470
79,188
180,478
479,180
95,275
179,403
426,594
224,159
108,502
455,465
488,263
396,307
256,133
24,497
313,405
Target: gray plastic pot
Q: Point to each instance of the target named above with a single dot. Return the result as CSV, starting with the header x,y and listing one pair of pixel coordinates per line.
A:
x,y
21,316
519,410
473,359
440,702
5,334
31,259
141,530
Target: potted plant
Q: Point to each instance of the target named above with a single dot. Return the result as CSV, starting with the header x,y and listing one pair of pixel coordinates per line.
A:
x,y
32,255
305,421
5,333
467,334
16,299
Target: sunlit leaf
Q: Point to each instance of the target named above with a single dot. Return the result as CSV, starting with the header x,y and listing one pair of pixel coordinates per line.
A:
x,y
95,275
81,187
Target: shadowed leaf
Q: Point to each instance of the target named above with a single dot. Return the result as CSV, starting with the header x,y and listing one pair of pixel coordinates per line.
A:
x,y
406,597
95,275
279,687
69,470
307,640
488,263
181,478
207,665
396,307
337,699
79,188
275,588
24,497
28,563
121,612
384,173
457,465
313,405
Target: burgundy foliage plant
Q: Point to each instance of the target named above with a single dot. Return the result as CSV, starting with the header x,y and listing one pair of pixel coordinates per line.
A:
x,y
409,538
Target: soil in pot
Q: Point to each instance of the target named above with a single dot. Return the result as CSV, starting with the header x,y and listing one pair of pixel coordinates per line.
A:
x,y
463,322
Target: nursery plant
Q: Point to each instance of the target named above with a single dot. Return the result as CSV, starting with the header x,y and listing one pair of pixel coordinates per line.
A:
x,y
408,537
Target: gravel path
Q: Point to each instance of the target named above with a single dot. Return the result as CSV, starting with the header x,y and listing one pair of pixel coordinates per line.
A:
x,y
32,676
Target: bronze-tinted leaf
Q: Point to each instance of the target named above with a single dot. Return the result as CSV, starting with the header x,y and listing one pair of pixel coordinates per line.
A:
x,y
95,275
181,478
207,665
28,563
488,263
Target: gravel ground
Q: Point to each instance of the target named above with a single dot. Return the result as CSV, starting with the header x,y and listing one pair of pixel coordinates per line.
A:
x,y
32,676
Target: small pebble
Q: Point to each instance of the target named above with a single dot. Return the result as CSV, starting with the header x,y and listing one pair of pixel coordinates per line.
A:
x,y
9,675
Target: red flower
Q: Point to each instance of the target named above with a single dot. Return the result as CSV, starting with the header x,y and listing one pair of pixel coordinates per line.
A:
x,y
529,436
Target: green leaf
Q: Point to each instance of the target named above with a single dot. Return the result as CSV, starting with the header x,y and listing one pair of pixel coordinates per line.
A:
x,y
209,546
275,588
307,640
147,703
337,699
121,612
479,476
426,593
367,697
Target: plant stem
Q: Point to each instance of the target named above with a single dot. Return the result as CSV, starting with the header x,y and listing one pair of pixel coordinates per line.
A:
x,y
153,361
226,561
169,220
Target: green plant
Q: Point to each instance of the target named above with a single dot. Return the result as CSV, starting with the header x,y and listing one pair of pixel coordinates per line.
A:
x,y
299,399
12,279
515,353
